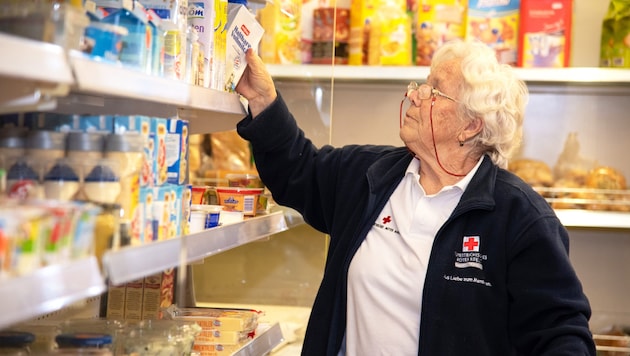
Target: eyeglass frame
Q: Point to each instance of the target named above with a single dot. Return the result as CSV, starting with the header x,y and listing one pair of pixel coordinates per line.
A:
x,y
415,87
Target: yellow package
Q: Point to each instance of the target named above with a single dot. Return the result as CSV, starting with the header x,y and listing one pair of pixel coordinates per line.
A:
x,y
390,39
361,15
282,22
438,21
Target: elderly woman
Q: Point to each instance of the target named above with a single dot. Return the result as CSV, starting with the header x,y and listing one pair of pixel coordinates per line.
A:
x,y
435,249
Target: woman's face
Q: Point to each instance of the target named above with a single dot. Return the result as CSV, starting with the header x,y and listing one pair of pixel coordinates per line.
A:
x,y
416,130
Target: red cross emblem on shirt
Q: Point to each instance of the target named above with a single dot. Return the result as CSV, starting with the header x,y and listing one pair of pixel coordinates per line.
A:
x,y
471,244
387,219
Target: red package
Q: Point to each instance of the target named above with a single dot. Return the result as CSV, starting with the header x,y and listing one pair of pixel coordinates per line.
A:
x,y
545,33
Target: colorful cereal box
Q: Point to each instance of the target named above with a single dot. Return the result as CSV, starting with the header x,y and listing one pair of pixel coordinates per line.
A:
x,y
495,23
545,33
438,21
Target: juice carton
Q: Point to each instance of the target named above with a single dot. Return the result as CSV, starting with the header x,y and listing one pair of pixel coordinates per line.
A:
x,y
219,45
545,33
495,23
330,35
282,24
438,21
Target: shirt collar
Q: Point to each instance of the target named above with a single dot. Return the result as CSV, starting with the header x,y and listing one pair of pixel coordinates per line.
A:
x,y
414,169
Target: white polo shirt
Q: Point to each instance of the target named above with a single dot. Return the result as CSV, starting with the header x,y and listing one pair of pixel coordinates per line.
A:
x,y
386,275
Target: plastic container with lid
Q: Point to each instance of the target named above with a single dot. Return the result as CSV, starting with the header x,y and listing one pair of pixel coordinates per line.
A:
x,y
61,182
127,150
45,146
15,343
102,184
84,343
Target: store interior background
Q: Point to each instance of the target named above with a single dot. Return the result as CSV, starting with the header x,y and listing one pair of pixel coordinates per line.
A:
x,y
285,269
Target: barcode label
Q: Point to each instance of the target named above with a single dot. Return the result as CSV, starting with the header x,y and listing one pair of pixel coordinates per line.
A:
x,y
248,203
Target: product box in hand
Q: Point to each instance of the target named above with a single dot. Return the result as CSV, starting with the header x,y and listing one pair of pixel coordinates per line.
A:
x,y
243,33
545,33
496,24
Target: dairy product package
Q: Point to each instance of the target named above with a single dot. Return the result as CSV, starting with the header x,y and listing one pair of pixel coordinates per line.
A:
x,y
438,21
545,33
243,33
495,23
201,17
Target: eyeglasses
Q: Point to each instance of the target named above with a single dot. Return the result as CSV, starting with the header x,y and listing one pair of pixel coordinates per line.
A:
x,y
425,91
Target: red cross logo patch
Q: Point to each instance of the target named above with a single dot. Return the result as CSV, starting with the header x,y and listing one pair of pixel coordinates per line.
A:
x,y
470,244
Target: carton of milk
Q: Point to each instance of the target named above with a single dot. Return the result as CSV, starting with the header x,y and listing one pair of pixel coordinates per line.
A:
x,y
243,33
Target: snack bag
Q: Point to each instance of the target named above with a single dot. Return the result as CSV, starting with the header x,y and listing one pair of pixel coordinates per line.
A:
x,y
615,40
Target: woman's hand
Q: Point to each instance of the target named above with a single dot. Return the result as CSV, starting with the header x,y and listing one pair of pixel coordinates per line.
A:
x,y
256,84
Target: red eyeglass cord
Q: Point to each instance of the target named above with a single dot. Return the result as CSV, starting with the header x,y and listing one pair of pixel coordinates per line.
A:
x,y
437,157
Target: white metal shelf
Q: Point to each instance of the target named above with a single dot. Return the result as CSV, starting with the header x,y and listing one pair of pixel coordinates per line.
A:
x,y
133,262
49,289
594,219
564,76
35,73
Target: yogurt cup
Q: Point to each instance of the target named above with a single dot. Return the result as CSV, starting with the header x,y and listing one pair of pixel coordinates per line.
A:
x,y
204,217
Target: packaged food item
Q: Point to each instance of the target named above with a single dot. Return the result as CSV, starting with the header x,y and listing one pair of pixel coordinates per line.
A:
x,y
390,35
102,184
244,180
243,33
204,217
200,17
282,23
615,38
239,199
361,17
438,21
331,31
61,182
222,319
104,40
137,44
545,33
495,23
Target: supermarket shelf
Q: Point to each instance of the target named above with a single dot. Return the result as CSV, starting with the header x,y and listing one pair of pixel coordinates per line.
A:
x,y
396,74
594,219
49,289
39,76
133,262
33,60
